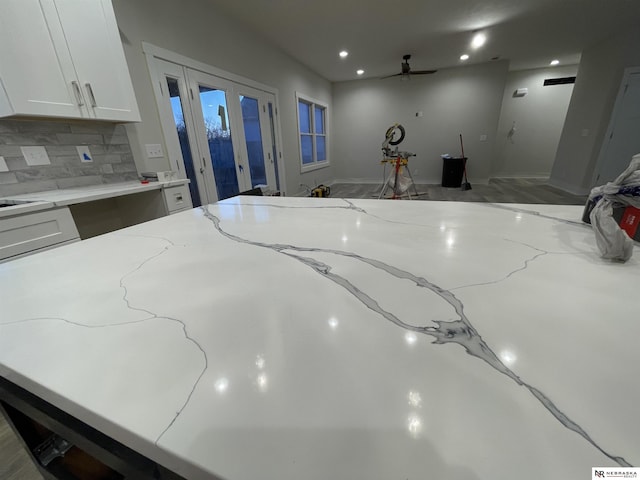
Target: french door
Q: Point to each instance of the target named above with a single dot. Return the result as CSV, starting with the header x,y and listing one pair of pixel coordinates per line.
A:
x,y
220,134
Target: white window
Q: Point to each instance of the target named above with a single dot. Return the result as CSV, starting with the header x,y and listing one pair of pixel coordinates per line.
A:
x,y
312,125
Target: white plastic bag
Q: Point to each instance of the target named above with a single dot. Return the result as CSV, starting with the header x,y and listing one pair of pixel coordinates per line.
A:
x,y
400,183
613,242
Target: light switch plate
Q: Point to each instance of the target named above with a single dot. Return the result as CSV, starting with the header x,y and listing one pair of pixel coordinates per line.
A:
x,y
154,150
84,153
35,156
3,165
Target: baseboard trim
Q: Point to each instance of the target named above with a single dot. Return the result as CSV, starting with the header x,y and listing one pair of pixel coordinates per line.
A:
x,y
542,176
569,188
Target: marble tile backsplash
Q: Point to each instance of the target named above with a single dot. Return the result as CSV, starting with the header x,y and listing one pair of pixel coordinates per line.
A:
x,y
110,152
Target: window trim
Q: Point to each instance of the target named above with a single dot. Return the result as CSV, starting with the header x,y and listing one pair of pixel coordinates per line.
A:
x,y
313,103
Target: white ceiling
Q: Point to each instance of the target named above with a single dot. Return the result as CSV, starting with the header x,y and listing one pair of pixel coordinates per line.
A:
x,y
529,33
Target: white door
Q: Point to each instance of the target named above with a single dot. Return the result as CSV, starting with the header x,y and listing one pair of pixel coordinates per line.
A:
x,y
93,39
221,134
218,135
50,87
178,128
624,132
275,156
256,150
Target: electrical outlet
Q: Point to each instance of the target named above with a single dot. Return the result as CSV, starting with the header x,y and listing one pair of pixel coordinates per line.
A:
x,y
154,150
35,156
84,153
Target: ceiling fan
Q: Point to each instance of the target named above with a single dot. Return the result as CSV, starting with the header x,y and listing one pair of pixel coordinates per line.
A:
x,y
406,71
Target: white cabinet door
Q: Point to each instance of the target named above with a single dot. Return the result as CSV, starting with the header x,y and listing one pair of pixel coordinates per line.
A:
x,y
35,231
37,75
93,39
63,58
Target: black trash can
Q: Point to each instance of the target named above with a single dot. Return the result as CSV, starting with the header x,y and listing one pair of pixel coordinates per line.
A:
x,y
452,170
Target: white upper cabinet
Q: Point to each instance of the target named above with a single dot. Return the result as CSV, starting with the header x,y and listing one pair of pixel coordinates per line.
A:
x,y
63,58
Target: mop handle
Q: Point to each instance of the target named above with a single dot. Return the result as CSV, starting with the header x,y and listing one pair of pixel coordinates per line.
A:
x,y
461,146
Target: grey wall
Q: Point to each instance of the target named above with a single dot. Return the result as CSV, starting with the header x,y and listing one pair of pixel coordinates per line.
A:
x,y
107,142
463,100
538,116
599,76
194,28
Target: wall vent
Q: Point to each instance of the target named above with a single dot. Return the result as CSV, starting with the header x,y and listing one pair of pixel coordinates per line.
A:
x,y
559,81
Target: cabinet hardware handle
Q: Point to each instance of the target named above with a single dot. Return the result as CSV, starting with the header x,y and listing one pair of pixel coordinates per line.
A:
x,y
92,99
78,93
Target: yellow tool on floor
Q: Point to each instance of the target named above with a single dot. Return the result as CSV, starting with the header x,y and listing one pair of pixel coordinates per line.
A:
x,y
321,191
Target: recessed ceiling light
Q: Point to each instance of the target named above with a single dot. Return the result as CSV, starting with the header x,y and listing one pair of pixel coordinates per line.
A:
x,y
464,57
478,40
360,72
554,62
343,54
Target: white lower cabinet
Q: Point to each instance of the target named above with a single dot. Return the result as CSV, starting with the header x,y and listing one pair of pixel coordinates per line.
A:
x,y
177,199
27,233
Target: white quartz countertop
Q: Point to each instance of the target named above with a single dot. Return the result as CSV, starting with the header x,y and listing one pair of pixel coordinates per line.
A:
x,y
297,338
71,196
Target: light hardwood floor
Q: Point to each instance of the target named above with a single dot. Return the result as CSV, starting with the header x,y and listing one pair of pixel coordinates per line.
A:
x,y
15,463
512,190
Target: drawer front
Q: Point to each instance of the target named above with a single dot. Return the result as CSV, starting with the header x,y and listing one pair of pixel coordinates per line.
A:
x,y
177,198
33,231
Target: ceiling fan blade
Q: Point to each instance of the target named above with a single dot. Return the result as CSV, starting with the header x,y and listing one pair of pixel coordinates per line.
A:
x,y
389,76
423,72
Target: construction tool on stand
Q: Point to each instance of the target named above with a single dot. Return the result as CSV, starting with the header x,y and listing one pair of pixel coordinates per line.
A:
x,y
399,162
465,185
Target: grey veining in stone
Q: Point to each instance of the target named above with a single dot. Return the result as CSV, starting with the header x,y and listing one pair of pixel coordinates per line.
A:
x,y
460,331
156,316
151,316
536,214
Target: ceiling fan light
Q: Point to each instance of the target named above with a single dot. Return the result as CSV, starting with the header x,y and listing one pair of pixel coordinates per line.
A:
x,y
554,62
479,40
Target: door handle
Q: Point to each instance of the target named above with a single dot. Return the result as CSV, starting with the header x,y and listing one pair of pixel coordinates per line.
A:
x,y
78,93
92,99
241,168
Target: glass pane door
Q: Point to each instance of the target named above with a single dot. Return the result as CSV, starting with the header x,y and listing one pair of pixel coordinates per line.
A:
x,y
253,140
183,138
178,128
220,134
215,112
257,146
274,153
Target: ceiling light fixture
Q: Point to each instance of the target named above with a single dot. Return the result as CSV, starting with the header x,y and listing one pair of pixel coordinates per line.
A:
x,y
554,62
479,40
343,54
464,57
360,72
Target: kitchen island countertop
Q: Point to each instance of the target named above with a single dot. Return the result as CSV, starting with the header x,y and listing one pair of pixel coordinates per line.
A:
x,y
297,338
